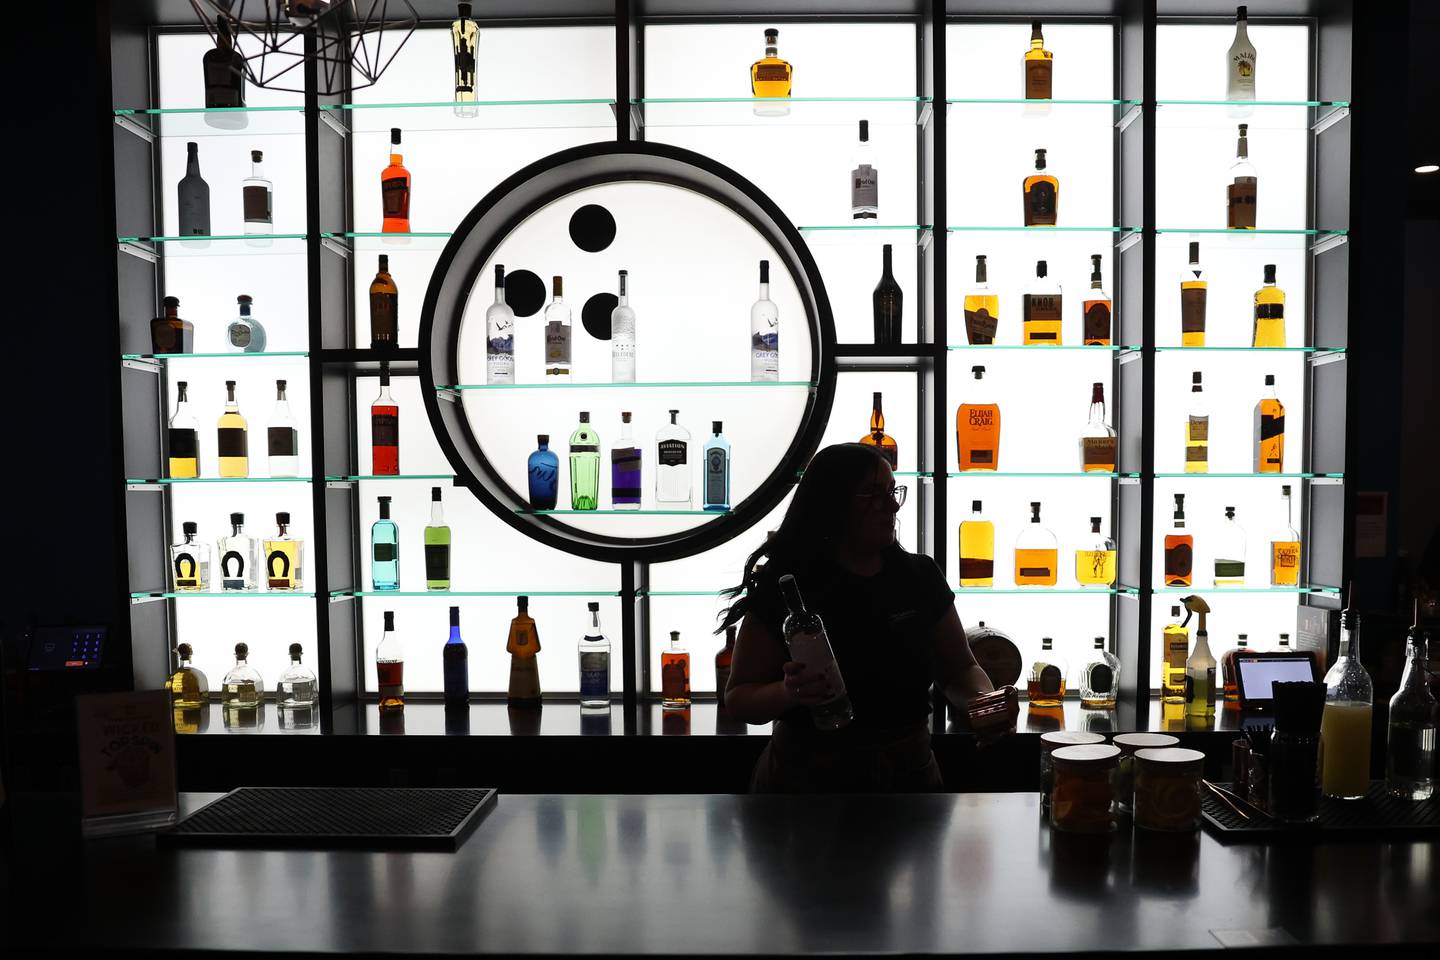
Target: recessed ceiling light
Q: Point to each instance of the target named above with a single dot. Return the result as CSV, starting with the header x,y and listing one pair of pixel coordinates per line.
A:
x,y
1428,168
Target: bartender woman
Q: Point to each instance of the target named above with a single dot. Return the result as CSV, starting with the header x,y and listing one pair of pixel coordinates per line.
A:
x,y
892,623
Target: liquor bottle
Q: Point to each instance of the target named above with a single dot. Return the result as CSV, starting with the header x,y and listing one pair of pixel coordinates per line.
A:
x,y
1100,679
1045,685
543,471
770,77
1097,439
233,438
284,557
1193,290
258,200
864,180
977,428
384,308
183,438
622,335
437,546
1284,643
672,465
384,550
224,69
1039,66
1230,552
1200,678
1410,736
1270,431
764,332
243,687
1179,549
385,429
625,469
675,673
723,660
523,645
456,659
193,197
282,440
977,549
1230,668
190,561
1241,193
390,667
1041,308
1269,312
239,557
1041,195
1285,549
982,308
296,686
557,335
499,335
1240,62
188,685
716,457
584,466
1095,560
1096,310
464,40
1345,722
168,333
245,333
1036,553
1197,428
395,190
594,663
1175,646
889,303
877,437
809,645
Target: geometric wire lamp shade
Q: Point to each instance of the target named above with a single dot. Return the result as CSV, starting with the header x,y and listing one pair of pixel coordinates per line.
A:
x,y
355,41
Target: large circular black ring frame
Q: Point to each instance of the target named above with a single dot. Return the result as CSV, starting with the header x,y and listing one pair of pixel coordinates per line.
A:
x,y
502,211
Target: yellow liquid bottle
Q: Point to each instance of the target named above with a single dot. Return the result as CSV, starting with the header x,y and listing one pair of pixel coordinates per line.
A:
x,y
234,438
1285,550
183,438
1197,429
1175,642
770,77
1036,553
1193,291
1095,562
1269,312
977,550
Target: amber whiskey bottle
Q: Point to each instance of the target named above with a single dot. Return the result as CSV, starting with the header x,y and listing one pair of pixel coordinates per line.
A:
x,y
523,645
675,673
878,438
390,667
1041,195
1179,549
1041,309
1096,309
1269,312
1193,290
982,307
170,334
770,76
977,428
1270,431
384,308
1039,65
977,549
395,190
1036,553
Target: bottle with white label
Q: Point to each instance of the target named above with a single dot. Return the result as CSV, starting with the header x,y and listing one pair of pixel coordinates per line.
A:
x,y
764,332
594,663
808,644
557,335
672,465
864,180
622,335
499,335
1200,678
1240,62
716,459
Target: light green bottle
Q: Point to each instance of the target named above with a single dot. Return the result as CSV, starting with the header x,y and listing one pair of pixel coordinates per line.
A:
x,y
437,546
584,466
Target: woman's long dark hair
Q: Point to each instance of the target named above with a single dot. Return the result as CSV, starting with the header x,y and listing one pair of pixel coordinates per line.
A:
x,y
823,506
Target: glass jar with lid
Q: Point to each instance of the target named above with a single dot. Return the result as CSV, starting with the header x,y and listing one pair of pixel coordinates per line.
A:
x,y
1052,741
1083,797
1128,744
1167,788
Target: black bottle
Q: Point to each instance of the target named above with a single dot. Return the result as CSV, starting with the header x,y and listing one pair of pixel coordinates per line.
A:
x,y
224,70
889,303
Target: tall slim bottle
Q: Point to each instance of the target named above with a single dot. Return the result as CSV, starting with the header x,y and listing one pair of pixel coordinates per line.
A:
x,y
1193,290
258,201
889,303
1269,312
977,549
877,437
543,472
522,645
1285,549
1042,307
864,180
384,550
594,663
282,439
464,38
1345,722
193,196
384,308
183,438
1410,737
1096,309
499,335
1270,431
385,429
1036,553
1242,192
977,427
1179,549
395,190
390,667
809,644
584,466
672,465
625,469
764,332
456,660
557,335
982,307
1098,453
716,458
233,434
622,335
437,546
1197,428
1240,62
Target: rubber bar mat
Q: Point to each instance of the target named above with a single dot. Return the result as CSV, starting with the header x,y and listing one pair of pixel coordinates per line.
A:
x,y
350,818
1377,816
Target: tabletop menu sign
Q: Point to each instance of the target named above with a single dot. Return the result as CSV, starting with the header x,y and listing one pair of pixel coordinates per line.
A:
x,y
127,762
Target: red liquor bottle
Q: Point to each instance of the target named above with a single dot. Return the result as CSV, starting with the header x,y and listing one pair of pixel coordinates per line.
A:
x,y
385,430
395,190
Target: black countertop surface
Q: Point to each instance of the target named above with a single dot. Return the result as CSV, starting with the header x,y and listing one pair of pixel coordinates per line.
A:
x,y
724,874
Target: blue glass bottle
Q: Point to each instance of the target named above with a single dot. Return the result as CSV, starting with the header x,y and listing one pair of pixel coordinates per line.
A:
x,y
457,665
717,470
544,470
384,551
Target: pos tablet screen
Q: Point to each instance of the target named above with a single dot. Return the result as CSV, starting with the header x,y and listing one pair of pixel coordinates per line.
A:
x,y
1256,671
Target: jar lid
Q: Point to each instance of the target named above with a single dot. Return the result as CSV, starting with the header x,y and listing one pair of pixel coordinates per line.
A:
x,y
1140,741
1067,738
1087,754
1172,756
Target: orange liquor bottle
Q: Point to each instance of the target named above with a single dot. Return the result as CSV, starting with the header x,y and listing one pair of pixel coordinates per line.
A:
x,y
977,429
877,437
395,190
675,673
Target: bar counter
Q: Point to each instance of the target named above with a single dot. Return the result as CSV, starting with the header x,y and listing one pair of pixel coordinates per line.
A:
x,y
940,874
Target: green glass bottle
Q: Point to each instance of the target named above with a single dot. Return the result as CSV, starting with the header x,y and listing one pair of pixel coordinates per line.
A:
x,y
437,546
584,466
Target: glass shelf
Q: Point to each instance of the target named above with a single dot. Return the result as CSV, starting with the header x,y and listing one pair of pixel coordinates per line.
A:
x,y
981,102
1318,115
220,245
1278,590
392,476
1040,230
163,357
1019,112
1178,349
389,243
1267,238
508,594
1231,476
1002,473
1111,348
195,122
1032,591
861,233
802,111
627,513
166,481
231,594
488,115
628,386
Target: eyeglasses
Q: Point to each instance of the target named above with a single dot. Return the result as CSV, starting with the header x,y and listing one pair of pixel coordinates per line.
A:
x,y
879,498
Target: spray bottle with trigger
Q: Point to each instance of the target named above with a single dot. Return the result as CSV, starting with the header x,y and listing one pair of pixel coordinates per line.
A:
x,y
1200,668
